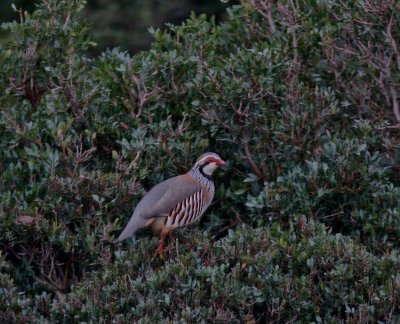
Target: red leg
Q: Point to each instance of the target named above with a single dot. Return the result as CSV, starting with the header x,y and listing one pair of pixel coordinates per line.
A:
x,y
161,245
160,250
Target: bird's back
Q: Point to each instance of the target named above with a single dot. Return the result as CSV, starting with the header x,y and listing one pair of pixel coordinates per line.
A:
x,y
159,202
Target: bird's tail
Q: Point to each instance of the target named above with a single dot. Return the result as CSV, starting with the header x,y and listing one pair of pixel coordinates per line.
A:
x,y
135,223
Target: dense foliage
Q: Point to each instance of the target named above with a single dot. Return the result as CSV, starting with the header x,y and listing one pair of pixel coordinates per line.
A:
x,y
124,23
300,98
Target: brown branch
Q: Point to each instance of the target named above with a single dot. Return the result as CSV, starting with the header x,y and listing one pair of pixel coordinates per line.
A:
x,y
139,95
393,42
249,156
264,8
397,126
213,116
237,216
395,102
334,215
80,157
53,288
292,30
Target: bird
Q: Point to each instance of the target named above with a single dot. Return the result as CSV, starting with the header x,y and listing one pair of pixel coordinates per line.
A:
x,y
175,202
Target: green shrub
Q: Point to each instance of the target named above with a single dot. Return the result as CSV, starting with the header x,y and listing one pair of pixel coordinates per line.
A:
x,y
283,93
303,273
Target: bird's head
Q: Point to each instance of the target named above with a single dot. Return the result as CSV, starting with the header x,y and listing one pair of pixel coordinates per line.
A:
x,y
208,162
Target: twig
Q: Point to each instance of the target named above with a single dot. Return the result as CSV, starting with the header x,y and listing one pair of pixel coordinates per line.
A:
x,y
264,8
249,156
395,102
335,214
393,42
51,287
237,215
397,126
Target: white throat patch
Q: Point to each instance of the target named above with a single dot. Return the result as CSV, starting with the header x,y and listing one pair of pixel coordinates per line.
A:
x,y
210,168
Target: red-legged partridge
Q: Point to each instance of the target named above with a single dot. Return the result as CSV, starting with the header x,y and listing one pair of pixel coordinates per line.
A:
x,y
176,202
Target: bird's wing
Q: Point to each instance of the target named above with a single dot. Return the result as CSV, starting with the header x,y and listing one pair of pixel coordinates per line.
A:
x,y
158,202
167,195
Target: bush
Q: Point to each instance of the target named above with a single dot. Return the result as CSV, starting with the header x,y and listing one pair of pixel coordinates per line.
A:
x,y
304,272
280,91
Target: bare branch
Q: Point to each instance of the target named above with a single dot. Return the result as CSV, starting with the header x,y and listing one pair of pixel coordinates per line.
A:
x,y
395,102
51,287
393,42
249,156
139,95
264,8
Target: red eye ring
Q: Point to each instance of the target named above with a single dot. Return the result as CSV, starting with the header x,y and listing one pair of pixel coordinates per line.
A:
x,y
216,161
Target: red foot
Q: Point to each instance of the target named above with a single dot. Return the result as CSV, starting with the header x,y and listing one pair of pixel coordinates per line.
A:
x,y
160,250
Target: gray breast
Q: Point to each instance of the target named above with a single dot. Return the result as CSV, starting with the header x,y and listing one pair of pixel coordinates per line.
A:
x,y
206,182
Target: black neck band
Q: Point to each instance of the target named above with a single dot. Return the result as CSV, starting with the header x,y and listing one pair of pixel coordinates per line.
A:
x,y
209,177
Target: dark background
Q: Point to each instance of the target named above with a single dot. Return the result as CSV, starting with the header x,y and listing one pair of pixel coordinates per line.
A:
x,y
125,23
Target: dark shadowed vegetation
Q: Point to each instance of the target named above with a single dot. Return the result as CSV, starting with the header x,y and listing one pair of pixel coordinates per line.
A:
x,y
124,23
302,100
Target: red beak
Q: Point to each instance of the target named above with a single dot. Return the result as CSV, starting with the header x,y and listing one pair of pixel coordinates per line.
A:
x,y
221,162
